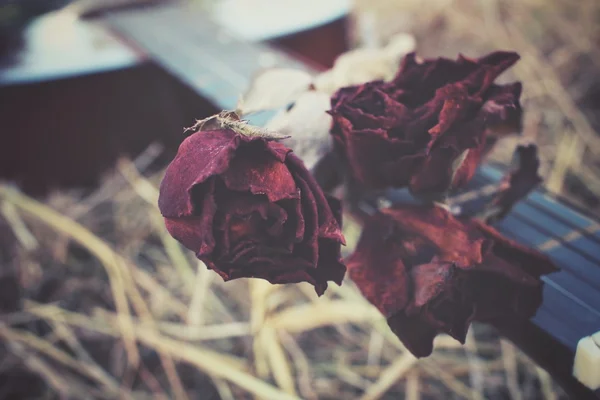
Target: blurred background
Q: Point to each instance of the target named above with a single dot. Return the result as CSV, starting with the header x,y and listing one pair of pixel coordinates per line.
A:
x,y
97,301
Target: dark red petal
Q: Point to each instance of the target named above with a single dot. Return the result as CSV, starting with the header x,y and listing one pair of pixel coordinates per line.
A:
x,y
377,268
336,209
329,224
529,260
501,299
377,160
428,75
207,260
200,156
261,262
296,276
434,178
465,247
502,109
244,214
254,169
196,232
298,220
497,266
467,168
414,333
277,149
371,107
457,104
452,316
444,169
519,182
188,231
489,68
308,247
442,299
330,267
430,281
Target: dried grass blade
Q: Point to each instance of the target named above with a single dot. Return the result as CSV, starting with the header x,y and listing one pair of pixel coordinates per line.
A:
x,y
208,361
67,389
66,334
213,364
449,380
149,193
20,230
301,364
51,351
203,281
311,316
95,245
509,360
390,376
259,290
278,361
546,384
476,367
412,385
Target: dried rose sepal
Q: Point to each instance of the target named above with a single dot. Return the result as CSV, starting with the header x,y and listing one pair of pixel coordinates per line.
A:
x,y
516,184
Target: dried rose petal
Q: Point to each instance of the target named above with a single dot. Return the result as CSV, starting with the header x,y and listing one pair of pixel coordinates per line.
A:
x,y
429,272
427,128
508,262
517,184
248,207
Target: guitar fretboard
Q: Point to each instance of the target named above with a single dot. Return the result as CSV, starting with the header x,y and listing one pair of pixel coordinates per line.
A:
x,y
220,67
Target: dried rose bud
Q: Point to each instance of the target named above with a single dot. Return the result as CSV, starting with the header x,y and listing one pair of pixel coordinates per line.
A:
x,y
427,128
248,207
431,273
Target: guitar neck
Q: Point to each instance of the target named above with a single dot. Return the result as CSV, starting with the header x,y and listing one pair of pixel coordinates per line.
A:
x,y
219,68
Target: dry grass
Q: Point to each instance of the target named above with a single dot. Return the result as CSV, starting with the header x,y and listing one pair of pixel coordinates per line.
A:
x,y
112,307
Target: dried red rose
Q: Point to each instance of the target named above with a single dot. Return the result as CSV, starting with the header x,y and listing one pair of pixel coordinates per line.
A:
x,y
248,207
431,273
427,128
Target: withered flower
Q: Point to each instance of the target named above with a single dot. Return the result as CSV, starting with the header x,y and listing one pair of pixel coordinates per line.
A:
x,y
427,128
429,272
248,207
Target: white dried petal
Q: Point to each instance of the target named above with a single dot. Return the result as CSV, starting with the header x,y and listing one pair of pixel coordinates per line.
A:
x,y
274,88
